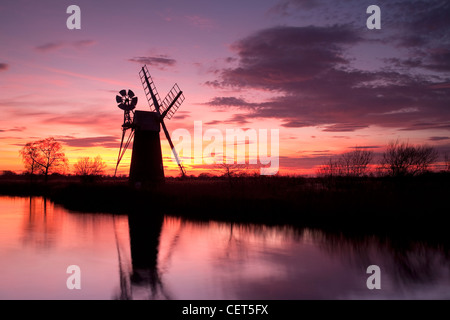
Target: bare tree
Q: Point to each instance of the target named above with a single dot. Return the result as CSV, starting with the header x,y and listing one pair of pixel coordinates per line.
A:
x,y
354,163
52,157
30,156
329,169
231,170
90,167
45,155
402,159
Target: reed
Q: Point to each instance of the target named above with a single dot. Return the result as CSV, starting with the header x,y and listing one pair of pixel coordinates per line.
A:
x,y
369,203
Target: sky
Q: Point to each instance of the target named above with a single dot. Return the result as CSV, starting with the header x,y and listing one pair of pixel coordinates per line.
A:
x,y
310,69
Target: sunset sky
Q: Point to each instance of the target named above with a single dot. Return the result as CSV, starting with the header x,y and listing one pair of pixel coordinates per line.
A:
x,y
309,68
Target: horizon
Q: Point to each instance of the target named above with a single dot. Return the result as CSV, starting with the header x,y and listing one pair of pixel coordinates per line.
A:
x,y
308,68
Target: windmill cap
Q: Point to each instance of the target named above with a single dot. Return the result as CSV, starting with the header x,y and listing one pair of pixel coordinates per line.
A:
x,y
146,120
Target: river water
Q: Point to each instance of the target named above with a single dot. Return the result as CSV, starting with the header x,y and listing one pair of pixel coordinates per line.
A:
x,y
145,256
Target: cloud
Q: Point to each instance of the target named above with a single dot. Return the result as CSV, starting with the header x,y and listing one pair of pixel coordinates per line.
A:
x,y
438,138
285,7
15,129
277,57
160,61
213,122
439,60
435,59
4,66
50,46
402,110
84,43
237,119
96,120
315,83
54,46
367,147
181,115
101,141
297,124
423,31
229,102
443,85
344,127
443,125
240,119
424,23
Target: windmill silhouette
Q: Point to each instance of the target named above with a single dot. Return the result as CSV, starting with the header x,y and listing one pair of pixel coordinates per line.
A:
x,y
127,102
146,160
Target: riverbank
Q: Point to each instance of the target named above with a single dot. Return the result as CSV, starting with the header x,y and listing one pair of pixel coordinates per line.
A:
x,y
412,204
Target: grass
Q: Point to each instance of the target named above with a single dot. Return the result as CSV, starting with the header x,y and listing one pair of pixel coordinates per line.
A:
x,y
379,204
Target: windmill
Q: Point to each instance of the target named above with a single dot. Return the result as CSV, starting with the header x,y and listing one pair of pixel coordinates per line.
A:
x,y
146,160
127,102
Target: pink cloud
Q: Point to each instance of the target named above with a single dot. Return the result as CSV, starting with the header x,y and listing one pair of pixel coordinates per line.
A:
x,y
54,46
320,87
4,66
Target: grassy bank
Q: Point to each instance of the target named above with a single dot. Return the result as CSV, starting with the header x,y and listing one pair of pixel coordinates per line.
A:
x,y
373,204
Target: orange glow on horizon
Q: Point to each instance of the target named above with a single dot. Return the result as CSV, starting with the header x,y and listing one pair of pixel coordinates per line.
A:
x,y
302,152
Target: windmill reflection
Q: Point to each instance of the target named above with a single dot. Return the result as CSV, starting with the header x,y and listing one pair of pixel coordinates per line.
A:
x,y
141,279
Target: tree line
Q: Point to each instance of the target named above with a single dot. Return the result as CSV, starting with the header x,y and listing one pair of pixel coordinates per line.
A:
x,y
46,156
398,159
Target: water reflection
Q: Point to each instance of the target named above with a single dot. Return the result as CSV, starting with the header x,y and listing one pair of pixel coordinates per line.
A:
x,y
39,240
147,255
40,226
409,262
231,261
143,280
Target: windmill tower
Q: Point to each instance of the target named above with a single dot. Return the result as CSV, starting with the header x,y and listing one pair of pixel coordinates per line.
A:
x,y
146,160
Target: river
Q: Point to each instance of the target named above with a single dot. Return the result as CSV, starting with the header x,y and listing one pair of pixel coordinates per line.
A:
x,y
149,256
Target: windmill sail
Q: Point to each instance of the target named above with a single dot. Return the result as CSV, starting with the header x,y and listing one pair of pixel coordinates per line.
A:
x,y
175,154
172,102
150,89
167,108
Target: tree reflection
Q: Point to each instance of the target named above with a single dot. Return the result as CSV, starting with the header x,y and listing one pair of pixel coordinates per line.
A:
x,y
40,224
408,261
